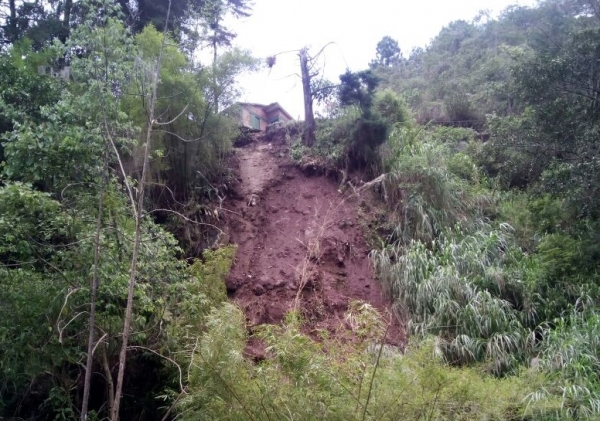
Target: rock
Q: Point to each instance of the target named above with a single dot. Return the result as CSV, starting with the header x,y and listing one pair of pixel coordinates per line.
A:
x,y
280,283
258,290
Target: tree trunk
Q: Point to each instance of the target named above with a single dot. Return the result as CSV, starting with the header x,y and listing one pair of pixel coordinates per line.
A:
x,y
215,86
308,137
67,20
93,288
139,215
110,386
12,21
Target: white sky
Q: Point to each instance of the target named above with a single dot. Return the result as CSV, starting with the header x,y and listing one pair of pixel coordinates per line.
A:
x,y
354,26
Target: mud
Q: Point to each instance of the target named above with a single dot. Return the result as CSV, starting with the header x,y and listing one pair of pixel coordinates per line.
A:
x,y
301,244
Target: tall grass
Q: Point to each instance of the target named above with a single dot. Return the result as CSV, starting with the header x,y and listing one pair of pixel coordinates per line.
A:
x,y
463,291
301,379
451,272
422,191
458,275
571,353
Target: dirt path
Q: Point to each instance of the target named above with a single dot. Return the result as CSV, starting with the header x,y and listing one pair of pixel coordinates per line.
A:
x,y
300,243
257,169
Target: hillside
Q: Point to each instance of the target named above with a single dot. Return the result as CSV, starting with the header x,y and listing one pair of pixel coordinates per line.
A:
x,y
427,249
301,245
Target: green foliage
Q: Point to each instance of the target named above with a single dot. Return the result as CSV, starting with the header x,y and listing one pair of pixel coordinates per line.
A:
x,y
514,208
570,272
23,93
69,146
462,75
44,276
303,379
470,291
571,351
36,21
333,138
461,165
388,53
500,275
192,140
66,143
427,190
351,139
203,289
458,108
358,88
392,108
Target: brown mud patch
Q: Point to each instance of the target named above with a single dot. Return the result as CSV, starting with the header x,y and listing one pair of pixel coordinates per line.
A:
x,y
301,244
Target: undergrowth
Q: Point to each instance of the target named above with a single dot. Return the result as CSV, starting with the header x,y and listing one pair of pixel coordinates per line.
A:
x,y
485,273
304,380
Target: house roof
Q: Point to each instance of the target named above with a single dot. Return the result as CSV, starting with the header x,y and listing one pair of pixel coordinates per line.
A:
x,y
268,108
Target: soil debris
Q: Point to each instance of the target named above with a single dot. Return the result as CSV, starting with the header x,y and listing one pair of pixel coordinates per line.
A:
x,y
300,244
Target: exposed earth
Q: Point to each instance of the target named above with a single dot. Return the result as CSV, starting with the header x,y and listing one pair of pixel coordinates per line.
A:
x,y
301,244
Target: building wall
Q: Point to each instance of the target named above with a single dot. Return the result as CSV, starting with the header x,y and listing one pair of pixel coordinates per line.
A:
x,y
250,113
277,115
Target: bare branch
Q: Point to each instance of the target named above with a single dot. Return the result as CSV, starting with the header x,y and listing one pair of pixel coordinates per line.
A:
x,y
182,389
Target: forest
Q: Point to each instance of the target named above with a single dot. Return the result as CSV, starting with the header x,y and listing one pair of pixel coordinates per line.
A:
x,y
482,150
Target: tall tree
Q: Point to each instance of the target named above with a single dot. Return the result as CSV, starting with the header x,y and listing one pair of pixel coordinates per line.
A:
x,y
138,211
310,90
140,13
309,117
388,52
217,35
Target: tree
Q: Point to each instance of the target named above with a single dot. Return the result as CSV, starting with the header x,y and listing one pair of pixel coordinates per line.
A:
x,y
358,88
562,87
216,34
38,20
308,136
140,13
370,129
312,89
388,53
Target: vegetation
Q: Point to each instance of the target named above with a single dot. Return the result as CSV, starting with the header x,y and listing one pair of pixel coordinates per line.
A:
x,y
483,148
494,251
96,296
303,379
492,229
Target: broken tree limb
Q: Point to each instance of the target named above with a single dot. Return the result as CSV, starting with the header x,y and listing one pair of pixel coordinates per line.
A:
x,y
379,180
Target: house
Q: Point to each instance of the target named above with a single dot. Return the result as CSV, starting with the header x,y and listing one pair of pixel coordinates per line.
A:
x,y
259,117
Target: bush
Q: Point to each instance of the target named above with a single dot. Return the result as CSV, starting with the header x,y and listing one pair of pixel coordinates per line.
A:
x,y
425,195
469,291
302,379
571,353
392,108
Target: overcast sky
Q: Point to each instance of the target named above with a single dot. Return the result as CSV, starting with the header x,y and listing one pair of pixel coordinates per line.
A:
x,y
353,26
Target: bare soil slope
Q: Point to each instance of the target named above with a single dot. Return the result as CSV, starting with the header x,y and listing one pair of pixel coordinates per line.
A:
x,y
300,243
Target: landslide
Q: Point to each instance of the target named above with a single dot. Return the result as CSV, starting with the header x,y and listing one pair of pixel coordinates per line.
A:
x,y
301,245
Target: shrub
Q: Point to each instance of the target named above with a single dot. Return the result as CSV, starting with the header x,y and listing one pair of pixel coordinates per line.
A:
x,y
425,196
302,379
571,353
392,108
469,291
